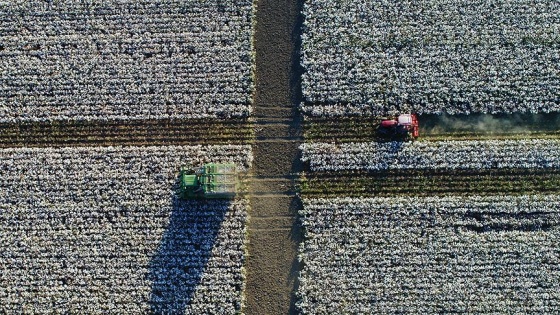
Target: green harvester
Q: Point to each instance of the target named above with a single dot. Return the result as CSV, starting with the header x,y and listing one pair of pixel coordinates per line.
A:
x,y
211,181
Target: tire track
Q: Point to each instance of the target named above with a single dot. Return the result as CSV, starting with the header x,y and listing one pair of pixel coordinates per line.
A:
x,y
274,232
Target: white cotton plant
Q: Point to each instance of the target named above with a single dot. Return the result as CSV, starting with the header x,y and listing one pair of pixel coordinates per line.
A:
x,y
430,255
459,154
125,60
101,230
373,57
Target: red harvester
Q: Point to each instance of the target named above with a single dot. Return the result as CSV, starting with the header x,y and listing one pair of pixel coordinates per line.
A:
x,y
405,126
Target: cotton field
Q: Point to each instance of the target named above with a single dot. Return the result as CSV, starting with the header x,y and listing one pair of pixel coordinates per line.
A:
x,y
430,255
125,59
101,230
347,208
376,57
459,154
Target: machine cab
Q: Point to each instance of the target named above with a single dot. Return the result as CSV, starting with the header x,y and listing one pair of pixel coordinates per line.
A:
x,y
405,120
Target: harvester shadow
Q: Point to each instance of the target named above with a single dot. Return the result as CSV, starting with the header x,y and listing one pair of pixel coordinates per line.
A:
x,y
177,268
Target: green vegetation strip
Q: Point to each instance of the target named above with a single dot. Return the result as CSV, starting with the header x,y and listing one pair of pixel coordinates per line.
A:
x,y
438,127
132,132
430,182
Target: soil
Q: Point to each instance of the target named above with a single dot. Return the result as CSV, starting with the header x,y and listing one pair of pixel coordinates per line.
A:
x,y
274,158
274,232
437,128
137,132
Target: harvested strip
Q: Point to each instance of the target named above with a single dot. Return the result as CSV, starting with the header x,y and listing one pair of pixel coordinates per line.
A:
x,y
435,255
468,154
438,127
101,230
430,182
134,132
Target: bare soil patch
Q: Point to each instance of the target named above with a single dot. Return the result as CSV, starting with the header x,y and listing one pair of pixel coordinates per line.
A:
x,y
273,158
274,232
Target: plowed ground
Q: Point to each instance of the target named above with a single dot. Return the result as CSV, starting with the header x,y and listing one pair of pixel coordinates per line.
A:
x,y
139,132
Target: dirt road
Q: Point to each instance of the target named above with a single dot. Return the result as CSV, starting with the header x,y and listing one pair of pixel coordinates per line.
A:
x,y
273,229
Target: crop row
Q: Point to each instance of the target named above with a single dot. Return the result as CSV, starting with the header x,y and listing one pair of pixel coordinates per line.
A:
x,y
430,255
430,182
135,132
101,230
468,154
374,57
125,60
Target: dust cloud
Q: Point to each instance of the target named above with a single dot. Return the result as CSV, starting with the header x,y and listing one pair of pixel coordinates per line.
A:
x,y
517,123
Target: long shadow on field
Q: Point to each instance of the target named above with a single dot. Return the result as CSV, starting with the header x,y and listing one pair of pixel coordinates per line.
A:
x,y
183,253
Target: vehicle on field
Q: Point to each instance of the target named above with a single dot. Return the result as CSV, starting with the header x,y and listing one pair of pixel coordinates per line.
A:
x,y
402,127
211,181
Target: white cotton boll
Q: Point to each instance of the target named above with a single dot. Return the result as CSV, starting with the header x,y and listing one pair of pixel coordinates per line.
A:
x,y
124,64
483,57
104,221
381,255
464,154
